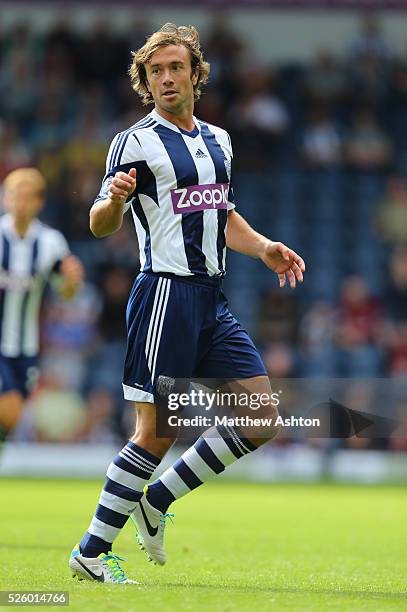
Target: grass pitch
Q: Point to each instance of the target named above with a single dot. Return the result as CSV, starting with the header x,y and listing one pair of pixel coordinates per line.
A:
x,y
233,548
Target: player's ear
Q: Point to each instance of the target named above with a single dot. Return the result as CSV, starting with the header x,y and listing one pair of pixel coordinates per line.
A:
x,y
194,77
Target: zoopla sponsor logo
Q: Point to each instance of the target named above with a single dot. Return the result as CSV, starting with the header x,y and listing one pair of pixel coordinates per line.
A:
x,y
200,197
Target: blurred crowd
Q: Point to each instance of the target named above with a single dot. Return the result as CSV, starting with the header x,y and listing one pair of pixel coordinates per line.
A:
x,y
320,163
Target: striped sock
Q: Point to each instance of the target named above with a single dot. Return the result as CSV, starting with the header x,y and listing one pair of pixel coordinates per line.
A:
x,y
126,477
211,454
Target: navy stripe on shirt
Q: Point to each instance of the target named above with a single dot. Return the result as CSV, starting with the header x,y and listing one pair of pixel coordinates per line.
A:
x,y
186,174
139,212
122,136
219,159
123,144
24,304
5,264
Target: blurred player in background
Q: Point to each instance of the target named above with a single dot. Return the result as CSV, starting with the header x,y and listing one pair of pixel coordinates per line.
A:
x,y
31,255
174,172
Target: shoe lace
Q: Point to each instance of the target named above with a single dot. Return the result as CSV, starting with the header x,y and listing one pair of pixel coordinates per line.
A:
x,y
163,520
114,567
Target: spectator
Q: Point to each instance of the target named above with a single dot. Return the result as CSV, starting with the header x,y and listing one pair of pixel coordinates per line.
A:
x,y
321,147
391,217
13,151
317,328
119,248
277,318
259,120
325,81
61,46
49,129
397,362
367,147
395,105
359,316
116,286
359,332
86,148
369,63
370,42
79,190
396,294
107,372
136,33
280,361
18,87
97,427
262,109
69,335
224,52
95,64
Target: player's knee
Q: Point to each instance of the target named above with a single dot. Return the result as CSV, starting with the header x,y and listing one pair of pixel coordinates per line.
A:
x,y
11,405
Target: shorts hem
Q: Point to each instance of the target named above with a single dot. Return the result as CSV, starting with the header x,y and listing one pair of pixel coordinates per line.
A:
x,y
137,395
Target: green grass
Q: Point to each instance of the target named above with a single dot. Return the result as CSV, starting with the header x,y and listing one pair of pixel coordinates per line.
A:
x,y
233,547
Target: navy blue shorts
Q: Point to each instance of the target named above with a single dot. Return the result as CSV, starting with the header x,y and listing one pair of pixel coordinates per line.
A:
x,y
182,328
18,374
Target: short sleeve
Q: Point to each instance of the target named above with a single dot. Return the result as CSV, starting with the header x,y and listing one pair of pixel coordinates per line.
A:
x,y
124,153
57,249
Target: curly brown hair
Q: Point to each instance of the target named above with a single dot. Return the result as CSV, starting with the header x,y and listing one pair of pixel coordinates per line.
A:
x,y
169,34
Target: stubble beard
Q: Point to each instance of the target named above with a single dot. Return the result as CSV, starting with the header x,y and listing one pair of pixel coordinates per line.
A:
x,y
178,107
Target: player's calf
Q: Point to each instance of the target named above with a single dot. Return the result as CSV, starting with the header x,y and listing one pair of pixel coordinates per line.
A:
x,y
262,425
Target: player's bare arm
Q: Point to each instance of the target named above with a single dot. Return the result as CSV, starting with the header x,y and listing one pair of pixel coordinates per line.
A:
x,y
285,262
106,216
72,274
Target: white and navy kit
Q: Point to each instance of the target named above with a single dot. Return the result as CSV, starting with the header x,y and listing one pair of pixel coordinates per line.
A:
x,y
26,265
177,317
182,197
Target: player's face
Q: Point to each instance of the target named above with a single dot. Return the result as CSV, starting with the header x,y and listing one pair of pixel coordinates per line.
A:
x,y
170,79
23,200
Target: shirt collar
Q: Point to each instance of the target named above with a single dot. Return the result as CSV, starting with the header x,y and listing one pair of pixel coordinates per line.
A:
x,y
175,128
8,225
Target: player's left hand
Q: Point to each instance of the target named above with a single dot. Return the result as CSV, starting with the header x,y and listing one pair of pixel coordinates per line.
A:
x,y
285,262
72,271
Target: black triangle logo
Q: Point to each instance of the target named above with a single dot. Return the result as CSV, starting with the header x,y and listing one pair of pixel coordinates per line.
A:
x,y
342,422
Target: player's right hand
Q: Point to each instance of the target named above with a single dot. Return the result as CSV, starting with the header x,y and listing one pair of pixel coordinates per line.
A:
x,y
122,186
